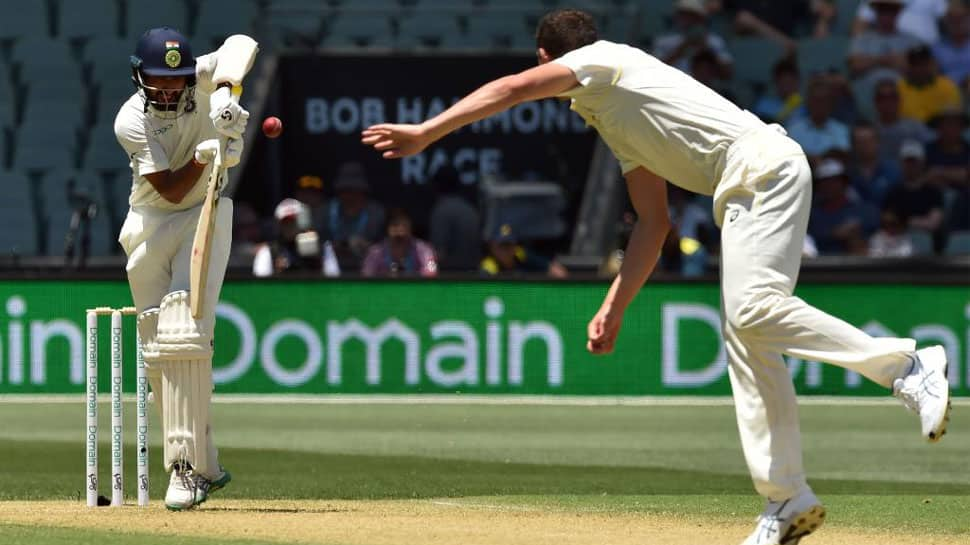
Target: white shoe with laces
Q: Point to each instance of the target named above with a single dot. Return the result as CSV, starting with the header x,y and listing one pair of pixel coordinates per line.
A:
x,y
787,522
926,391
181,490
188,489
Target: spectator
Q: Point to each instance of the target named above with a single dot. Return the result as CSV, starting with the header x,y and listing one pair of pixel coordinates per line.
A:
x,y
247,234
297,246
948,157
691,233
507,257
818,133
845,109
953,52
892,239
919,18
870,175
918,205
959,219
779,21
923,92
455,224
309,191
401,253
351,221
837,224
692,36
785,102
704,68
892,128
879,52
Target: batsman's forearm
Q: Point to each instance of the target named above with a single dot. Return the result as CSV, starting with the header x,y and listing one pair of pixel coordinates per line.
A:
x,y
486,101
176,184
642,253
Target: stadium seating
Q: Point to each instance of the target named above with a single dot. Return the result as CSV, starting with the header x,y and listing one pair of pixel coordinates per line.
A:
x,y
430,28
958,243
45,60
8,105
113,193
359,29
64,72
18,234
922,242
107,75
753,60
4,148
862,91
61,191
845,15
142,15
655,19
103,151
26,19
218,19
44,143
822,55
534,207
492,30
95,18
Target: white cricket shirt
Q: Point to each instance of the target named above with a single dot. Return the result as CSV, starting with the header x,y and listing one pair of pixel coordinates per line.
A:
x,y
154,144
653,115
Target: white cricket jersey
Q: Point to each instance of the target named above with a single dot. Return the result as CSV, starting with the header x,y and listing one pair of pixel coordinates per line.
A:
x,y
154,144
655,116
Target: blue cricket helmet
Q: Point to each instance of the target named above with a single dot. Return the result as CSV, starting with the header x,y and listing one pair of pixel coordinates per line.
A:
x,y
163,51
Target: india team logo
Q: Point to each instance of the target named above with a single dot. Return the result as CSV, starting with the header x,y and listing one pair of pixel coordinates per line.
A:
x,y
173,57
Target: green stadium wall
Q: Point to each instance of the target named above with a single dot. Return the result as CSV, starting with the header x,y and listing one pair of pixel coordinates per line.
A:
x,y
468,337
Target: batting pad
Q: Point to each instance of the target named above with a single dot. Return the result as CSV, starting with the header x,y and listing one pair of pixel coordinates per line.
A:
x,y
148,333
187,394
180,336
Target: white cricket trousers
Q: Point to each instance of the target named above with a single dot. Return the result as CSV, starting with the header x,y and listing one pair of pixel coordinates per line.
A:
x,y
158,244
763,203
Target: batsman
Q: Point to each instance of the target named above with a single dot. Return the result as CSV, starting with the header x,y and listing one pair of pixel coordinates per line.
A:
x,y
181,129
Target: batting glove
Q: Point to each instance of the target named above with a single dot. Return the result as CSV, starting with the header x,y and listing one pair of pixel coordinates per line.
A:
x,y
234,150
206,151
228,117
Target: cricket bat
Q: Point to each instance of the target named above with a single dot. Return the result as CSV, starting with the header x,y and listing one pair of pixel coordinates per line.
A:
x,y
202,243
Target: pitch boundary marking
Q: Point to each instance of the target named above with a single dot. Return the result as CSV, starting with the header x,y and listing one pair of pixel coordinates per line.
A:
x,y
459,399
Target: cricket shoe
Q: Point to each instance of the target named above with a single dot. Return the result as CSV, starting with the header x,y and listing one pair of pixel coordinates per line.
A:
x,y
187,489
926,391
204,487
787,522
181,489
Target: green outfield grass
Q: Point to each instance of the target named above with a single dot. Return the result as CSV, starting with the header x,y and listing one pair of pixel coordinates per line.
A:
x,y
867,463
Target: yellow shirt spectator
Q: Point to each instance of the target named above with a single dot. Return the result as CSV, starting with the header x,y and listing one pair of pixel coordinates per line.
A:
x,y
925,102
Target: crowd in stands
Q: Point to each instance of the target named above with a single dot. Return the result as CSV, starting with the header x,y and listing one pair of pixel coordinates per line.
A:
x,y
352,232
883,122
885,127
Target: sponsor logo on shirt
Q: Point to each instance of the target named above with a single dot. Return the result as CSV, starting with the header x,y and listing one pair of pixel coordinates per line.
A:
x,y
162,130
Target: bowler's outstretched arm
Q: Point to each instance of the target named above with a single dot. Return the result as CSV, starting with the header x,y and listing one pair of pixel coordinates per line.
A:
x,y
396,141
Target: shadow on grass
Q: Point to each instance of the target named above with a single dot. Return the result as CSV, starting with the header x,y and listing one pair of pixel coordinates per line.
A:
x,y
52,470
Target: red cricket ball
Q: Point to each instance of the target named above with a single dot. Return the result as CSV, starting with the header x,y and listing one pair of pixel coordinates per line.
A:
x,y
272,127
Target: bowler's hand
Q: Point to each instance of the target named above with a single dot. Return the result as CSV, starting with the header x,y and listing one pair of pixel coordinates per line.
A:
x,y
396,141
602,331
